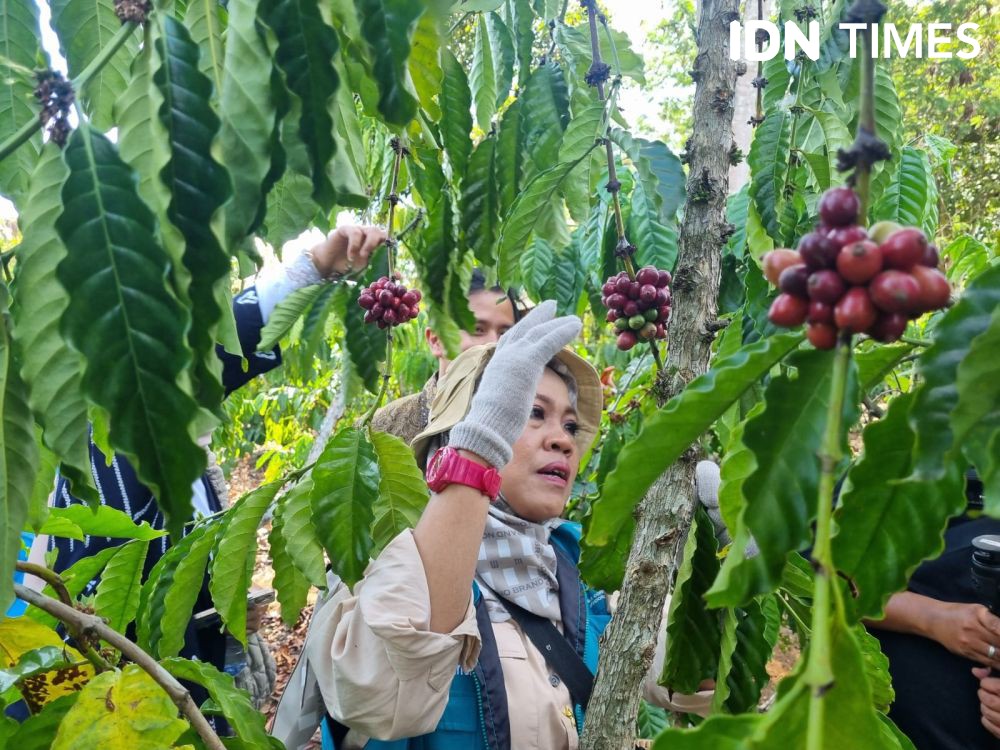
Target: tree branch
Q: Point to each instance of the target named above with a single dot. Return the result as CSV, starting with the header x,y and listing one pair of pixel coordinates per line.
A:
x,y
91,625
664,516
53,579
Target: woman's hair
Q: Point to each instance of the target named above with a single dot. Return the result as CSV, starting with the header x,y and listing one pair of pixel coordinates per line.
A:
x,y
566,376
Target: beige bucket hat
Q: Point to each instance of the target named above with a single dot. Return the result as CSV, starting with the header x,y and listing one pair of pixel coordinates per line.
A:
x,y
456,388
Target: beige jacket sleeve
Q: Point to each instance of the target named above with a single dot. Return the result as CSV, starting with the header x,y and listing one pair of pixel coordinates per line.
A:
x,y
381,670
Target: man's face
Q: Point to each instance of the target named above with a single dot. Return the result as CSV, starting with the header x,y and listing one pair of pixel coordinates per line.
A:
x,y
494,315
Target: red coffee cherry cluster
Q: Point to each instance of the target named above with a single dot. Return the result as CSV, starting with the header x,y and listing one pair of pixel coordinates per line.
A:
x,y
389,303
845,278
639,309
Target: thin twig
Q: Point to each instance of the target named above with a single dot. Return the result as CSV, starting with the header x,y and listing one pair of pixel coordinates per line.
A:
x,y
94,626
56,582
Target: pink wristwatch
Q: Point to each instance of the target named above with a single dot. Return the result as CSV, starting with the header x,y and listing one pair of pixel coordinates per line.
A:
x,y
448,466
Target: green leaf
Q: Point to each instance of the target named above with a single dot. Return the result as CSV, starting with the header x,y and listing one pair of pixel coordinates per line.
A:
x,y
291,585
545,115
425,64
938,395
911,196
670,431
829,134
693,631
18,455
876,363
656,244
76,578
778,77
117,599
502,46
456,118
848,719
666,167
780,494
345,489
290,208
736,214
144,145
198,187
524,216
876,669
171,590
207,20
305,52
85,28
248,119
748,639
126,323
482,76
575,42
285,315
298,533
402,492
365,343
481,201
651,720
19,53
233,703
124,708
386,26
582,132
885,517
35,661
536,267
976,418
350,162
510,159
436,249
232,562
45,482
38,731
521,19
768,160
50,367
101,521
566,286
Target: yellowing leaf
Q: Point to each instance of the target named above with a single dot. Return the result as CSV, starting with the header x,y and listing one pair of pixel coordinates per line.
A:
x,y
120,709
20,635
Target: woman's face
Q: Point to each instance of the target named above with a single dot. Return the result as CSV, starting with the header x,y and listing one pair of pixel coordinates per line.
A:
x,y
537,481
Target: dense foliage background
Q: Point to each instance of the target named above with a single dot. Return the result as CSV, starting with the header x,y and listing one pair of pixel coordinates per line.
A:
x,y
208,135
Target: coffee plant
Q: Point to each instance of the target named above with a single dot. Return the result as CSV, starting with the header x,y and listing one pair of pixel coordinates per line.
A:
x,y
187,135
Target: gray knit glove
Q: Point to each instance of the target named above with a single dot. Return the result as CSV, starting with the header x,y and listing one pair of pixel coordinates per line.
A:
x,y
506,391
708,480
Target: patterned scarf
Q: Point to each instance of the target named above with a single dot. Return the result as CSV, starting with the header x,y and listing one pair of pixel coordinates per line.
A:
x,y
517,562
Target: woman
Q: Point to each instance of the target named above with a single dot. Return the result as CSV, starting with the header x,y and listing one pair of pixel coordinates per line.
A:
x,y
428,652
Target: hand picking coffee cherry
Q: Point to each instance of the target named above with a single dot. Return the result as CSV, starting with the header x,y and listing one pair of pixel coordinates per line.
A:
x,y
389,303
639,309
843,278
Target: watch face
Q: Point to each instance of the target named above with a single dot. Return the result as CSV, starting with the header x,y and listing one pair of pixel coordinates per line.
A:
x,y
434,470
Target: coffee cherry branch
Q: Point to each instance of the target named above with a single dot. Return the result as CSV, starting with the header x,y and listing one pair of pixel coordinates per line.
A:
x,y
24,133
634,326
386,302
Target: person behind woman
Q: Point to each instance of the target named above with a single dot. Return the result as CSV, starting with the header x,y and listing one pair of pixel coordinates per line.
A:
x,y
425,654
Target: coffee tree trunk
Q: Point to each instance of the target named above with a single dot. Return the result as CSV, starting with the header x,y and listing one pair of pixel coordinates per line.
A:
x,y
664,515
